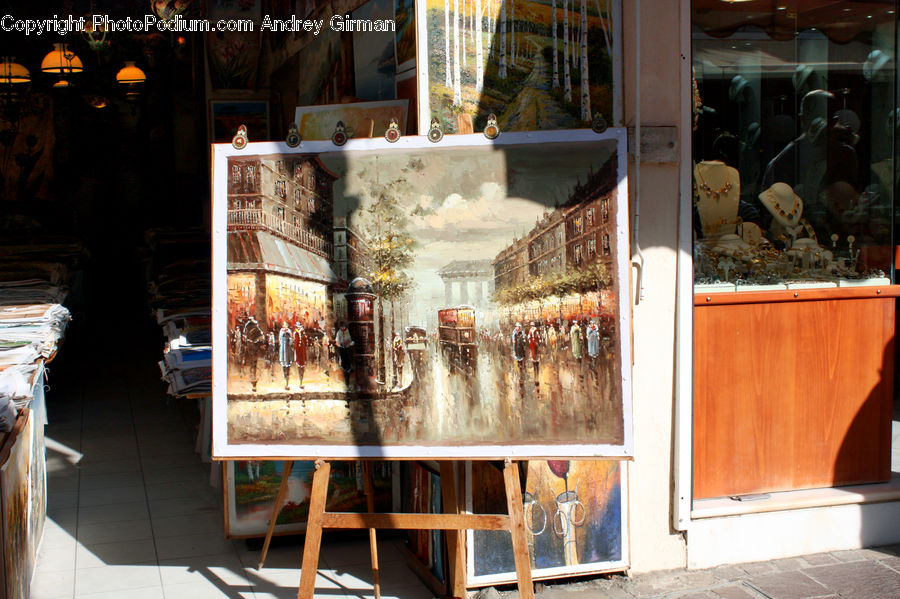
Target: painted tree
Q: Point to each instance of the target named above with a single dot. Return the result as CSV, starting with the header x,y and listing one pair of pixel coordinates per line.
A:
x,y
389,251
447,79
555,84
501,67
606,24
576,64
567,76
585,82
573,31
457,89
472,12
512,33
479,51
462,38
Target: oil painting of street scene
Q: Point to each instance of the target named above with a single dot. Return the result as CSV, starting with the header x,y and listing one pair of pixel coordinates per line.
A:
x,y
535,64
427,297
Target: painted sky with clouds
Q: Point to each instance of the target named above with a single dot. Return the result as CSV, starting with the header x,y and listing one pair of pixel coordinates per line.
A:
x,y
466,203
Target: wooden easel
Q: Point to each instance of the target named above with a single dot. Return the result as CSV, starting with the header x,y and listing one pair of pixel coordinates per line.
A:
x,y
451,521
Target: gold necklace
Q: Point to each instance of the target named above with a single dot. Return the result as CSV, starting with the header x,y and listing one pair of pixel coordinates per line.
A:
x,y
788,214
709,191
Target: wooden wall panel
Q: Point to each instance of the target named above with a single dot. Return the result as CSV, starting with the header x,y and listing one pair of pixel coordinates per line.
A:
x,y
792,394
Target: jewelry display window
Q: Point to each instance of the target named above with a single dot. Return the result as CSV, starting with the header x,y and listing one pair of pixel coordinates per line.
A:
x,y
794,143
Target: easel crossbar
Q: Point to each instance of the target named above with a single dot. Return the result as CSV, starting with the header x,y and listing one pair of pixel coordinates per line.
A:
x,y
350,520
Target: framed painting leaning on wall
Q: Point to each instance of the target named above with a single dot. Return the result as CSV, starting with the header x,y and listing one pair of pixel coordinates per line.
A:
x,y
535,64
466,299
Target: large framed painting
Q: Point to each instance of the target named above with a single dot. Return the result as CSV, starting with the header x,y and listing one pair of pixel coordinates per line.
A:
x,y
251,486
575,520
461,299
535,64
319,122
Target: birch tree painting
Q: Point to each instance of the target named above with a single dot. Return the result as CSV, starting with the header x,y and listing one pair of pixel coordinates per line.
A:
x,y
536,64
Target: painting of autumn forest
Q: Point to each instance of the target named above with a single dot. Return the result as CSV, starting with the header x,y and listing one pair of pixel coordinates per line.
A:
x,y
535,64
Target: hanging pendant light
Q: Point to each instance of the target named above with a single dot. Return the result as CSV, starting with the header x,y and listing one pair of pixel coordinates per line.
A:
x,y
130,74
12,73
61,61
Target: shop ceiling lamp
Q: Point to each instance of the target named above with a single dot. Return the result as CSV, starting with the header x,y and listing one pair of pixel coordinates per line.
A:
x,y
12,73
61,61
130,74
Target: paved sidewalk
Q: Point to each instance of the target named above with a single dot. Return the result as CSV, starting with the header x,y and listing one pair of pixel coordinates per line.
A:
x,y
856,574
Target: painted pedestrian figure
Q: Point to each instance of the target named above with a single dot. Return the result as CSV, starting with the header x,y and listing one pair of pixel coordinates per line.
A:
x,y
345,343
286,352
399,354
576,340
301,343
519,344
593,340
236,348
271,352
534,343
253,342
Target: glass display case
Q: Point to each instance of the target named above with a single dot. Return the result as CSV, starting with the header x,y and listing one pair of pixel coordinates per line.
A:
x,y
795,131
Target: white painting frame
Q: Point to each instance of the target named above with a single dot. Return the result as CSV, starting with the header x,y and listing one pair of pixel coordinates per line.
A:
x,y
222,449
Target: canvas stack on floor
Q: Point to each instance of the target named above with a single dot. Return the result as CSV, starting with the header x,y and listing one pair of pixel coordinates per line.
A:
x,y
178,284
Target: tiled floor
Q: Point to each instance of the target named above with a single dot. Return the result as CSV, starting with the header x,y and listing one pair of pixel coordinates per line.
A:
x,y
132,514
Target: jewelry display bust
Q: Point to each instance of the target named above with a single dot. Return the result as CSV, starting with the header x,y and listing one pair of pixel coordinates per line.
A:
x,y
718,197
784,205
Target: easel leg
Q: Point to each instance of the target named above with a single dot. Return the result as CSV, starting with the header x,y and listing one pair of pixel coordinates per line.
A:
x,y
276,509
517,528
369,484
455,539
313,541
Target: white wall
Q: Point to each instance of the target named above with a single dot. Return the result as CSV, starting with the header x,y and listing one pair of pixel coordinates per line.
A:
x,y
654,545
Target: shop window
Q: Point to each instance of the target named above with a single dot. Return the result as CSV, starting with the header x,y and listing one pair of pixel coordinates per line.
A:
x,y
795,134
793,148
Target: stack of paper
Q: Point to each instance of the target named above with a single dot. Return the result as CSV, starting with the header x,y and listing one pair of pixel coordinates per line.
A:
x,y
178,282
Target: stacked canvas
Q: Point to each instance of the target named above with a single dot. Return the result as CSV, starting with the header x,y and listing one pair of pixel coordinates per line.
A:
x,y
178,283
34,281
